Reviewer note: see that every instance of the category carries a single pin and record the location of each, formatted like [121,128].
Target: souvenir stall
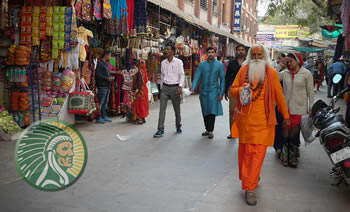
[37,74]
[48,62]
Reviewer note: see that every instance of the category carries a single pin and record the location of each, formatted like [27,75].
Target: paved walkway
[176,173]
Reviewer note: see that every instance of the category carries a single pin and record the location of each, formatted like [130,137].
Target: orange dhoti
[250,160]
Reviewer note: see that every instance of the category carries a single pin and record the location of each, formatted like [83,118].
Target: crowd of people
[266,101]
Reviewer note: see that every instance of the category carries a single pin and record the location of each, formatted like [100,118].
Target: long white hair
[267,57]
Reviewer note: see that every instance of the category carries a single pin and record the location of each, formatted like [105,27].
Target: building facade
[249,20]
[218,16]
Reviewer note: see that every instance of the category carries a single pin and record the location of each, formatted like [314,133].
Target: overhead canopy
[196,21]
[305,49]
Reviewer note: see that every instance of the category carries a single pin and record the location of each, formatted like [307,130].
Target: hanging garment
[97,10]
[128,78]
[83,35]
[97,113]
[140,16]
[78,9]
[119,15]
[339,49]
[130,4]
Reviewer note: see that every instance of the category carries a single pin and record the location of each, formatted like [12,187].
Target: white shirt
[172,72]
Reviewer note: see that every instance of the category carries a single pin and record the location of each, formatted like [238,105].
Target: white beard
[256,71]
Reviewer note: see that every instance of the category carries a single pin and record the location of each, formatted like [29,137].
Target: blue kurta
[212,78]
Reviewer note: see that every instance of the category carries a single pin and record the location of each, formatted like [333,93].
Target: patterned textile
[140,16]
[128,78]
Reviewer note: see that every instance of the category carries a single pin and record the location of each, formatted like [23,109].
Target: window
[223,13]
[204,4]
[215,7]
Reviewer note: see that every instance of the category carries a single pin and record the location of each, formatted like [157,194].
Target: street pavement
[175,173]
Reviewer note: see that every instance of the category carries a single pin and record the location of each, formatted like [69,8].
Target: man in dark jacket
[232,70]
[103,83]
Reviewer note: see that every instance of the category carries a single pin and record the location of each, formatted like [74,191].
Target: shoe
[229,137]
[293,161]
[139,121]
[210,136]
[106,119]
[206,133]
[284,159]
[178,130]
[329,96]
[100,121]
[159,133]
[250,198]
[278,153]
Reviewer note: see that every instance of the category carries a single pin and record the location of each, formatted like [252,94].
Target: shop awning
[305,49]
[197,22]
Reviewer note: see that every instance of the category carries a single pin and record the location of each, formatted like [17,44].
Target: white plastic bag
[307,129]
[186,92]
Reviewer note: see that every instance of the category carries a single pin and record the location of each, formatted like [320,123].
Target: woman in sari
[141,93]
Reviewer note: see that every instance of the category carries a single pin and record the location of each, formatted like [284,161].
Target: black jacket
[231,72]
[102,73]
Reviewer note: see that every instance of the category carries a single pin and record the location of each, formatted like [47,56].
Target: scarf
[293,73]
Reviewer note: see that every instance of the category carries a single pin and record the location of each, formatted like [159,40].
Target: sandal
[250,198]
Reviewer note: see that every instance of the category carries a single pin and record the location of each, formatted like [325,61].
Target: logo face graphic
[51,155]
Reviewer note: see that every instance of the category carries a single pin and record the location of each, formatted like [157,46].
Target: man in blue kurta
[211,74]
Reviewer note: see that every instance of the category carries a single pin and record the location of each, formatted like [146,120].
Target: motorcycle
[340,85]
[333,134]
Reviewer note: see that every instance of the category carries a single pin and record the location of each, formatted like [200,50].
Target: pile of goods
[18,55]
[7,123]
[19,101]
[67,80]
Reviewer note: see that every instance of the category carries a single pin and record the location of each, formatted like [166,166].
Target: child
[127,113]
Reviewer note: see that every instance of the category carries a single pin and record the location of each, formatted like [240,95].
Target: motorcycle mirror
[337,78]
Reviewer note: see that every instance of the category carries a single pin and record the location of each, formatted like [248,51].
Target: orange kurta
[252,124]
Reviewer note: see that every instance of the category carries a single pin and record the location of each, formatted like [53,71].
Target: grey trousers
[166,93]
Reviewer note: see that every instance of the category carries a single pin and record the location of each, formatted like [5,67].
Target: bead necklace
[258,88]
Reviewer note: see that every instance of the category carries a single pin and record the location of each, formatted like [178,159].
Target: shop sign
[287,31]
[265,37]
[304,32]
[271,44]
[237,16]
[50,155]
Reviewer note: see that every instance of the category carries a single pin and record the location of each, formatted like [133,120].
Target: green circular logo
[51,155]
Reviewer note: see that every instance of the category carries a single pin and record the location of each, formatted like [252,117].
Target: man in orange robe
[256,118]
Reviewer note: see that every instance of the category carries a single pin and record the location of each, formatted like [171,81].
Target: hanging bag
[97,10]
[80,101]
[86,10]
[78,9]
[107,9]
